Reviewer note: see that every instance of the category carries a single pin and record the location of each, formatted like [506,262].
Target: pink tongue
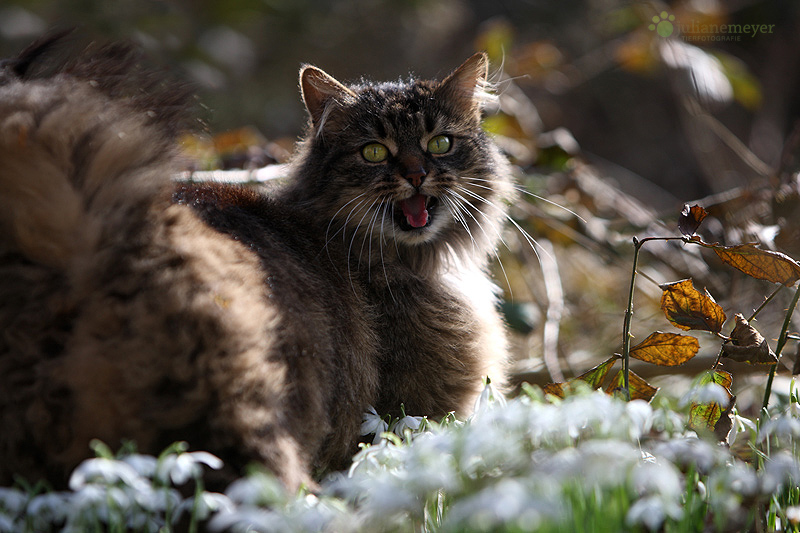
[414,210]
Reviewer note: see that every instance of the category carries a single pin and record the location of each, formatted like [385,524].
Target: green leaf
[707,416]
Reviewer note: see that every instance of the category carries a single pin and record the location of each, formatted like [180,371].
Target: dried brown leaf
[760,264]
[666,349]
[637,386]
[594,377]
[690,219]
[687,308]
[748,346]
[708,416]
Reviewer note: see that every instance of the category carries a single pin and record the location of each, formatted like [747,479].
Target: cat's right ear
[320,92]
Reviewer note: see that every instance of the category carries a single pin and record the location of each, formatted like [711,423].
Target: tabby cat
[258,327]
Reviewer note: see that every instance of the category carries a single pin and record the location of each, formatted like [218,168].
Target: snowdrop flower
[782,427]
[48,508]
[7,525]
[98,502]
[204,505]
[652,511]
[260,488]
[740,425]
[411,424]
[432,463]
[658,479]
[145,465]
[600,463]
[105,471]
[182,467]
[13,501]
[489,397]
[510,502]
[640,416]
[312,514]
[780,469]
[373,423]
[250,520]
[692,452]
[705,394]
[729,485]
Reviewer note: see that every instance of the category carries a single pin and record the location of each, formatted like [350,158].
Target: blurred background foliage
[600,113]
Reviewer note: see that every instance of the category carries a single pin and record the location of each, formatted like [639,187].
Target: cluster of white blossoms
[525,464]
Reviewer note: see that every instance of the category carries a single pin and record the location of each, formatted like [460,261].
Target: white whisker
[523,190]
[380,243]
[531,240]
[459,200]
[328,229]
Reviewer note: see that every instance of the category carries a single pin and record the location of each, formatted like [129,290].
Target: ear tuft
[466,86]
[319,90]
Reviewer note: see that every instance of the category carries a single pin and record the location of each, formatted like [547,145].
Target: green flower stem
[781,342]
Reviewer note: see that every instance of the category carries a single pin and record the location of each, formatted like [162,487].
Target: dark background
[588,66]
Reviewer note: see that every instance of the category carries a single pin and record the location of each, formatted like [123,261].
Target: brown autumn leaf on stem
[666,349]
[690,219]
[638,387]
[760,264]
[594,377]
[687,308]
[713,416]
[748,346]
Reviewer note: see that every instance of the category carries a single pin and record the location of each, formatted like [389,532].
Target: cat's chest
[418,318]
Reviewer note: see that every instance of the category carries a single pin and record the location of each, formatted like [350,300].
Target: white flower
[373,423]
[12,501]
[410,423]
[658,479]
[489,397]
[705,394]
[260,488]
[510,502]
[783,426]
[105,471]
[780,469]
[204,505]
[51,507]
[651,511]
[182,467]
[640,416]
[145,465]
[7,525]
[690,452]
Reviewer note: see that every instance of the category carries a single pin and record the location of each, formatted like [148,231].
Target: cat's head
[403,166]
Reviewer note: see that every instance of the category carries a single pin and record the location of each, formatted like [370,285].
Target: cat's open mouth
[415,212]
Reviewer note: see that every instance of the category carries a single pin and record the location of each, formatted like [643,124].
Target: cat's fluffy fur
[257,327]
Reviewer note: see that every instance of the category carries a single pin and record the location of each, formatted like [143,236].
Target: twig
[781,342]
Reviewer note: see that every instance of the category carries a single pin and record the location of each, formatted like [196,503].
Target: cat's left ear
[321,90]
[466,86]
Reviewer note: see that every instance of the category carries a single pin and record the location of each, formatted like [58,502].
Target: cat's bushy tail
[67,140]
[122,315]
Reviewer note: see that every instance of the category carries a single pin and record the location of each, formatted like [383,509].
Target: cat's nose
[415,175]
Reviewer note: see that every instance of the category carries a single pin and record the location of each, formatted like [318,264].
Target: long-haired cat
[258,327]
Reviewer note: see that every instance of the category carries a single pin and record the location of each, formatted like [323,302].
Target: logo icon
[662,24]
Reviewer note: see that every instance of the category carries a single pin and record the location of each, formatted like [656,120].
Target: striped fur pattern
[258,327]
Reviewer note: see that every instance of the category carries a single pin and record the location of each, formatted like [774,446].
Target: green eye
[375,152]
[439,144]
